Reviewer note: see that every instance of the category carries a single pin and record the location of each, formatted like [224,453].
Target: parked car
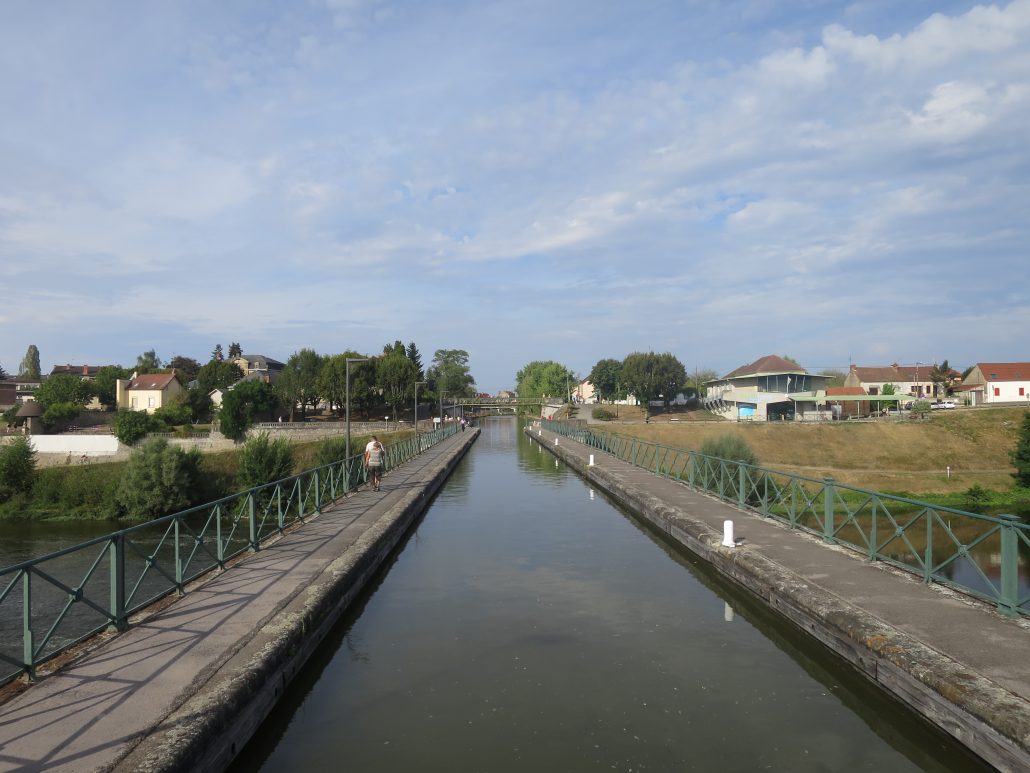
[943,404]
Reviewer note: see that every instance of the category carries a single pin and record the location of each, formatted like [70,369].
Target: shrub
[17,467]
[729,447]
[262,460]
[58,416]
[173,415]
[158,480]
[10,416]
[976,497]
[130,426]
[333,450]
[603,414]
[921,408]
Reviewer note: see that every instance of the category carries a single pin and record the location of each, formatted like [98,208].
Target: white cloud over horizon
[825,180]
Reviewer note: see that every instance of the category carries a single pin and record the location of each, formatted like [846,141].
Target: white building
[998,382]
[770,388]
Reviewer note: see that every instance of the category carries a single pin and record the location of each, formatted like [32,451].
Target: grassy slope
[888,456]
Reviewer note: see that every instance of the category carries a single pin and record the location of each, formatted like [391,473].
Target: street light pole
[347,396]
[442,393]
[416,404]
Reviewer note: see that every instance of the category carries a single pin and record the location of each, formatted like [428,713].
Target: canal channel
[528,623]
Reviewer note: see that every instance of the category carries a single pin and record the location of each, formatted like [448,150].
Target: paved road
[93,713]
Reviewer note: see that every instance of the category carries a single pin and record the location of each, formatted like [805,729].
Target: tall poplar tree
[30,364]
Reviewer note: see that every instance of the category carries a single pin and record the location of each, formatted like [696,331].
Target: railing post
[1008,603]
[219,548]
[657,464]
[741,475]
[252,520]
[828,510]
[722,479]
[691,464]
[928,553]
[27,644]
[872,533]
[116,556]
[318,495]
[765,493]
[793,503]
[178,560]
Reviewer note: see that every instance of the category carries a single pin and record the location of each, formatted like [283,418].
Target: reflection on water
[529,625]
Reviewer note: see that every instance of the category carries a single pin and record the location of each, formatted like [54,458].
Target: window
[1021,392]
[997,392]
[150,402]
[133,403]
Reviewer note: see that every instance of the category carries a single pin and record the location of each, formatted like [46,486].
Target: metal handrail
[934,541]
[60,606]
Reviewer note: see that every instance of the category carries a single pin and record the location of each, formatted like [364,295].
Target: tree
[836,377]
[148,362]
[396,375]
[17,467]
[543,378]
[186,367]
[397,347]
[648,376]
[158,480]
[297,383]
[416,359]
[3,373]
[64,388]
[331,384]
[941,376]
[264,461]
[130,426]
[29,368]
[791,359]
[59,416]
[701,377]
[218,374]
[450,372]
[242,404]
[216,354]
[105,384]
[921,408]
[605,376]
[235,350]
[1021,456]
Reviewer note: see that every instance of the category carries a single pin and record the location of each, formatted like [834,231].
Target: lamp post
[423,383]
[919,387]
[442,393]
[347,396]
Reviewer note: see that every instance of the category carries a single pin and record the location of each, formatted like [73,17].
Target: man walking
[374,453]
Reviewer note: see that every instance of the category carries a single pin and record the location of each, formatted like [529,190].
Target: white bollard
[727,535]
[539,432]
[727,613]
[591,495]
[555,462]
[591,460]
[556,441]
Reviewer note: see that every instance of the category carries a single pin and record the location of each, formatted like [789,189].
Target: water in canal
[529,624]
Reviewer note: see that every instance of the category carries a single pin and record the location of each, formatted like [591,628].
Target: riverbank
[87,491]
[923,644]
[907,457]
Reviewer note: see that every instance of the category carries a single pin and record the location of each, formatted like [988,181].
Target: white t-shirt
[374,453]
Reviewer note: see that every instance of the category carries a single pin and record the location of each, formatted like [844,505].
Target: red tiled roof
[771,363]
[1005,371]
[830,391]
[887,374]
[152,381]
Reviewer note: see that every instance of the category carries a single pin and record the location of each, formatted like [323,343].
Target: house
[998,382]
[85,372]
[585,392]
[148,392]
[8,395]
[505,394]
[769,389]
[848,401]
[913,380]
[218,393]
[261,366]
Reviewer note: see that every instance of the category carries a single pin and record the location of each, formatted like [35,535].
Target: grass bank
[895,456]
[88,491]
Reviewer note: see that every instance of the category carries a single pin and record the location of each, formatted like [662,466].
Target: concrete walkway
[933,648]
[185,688]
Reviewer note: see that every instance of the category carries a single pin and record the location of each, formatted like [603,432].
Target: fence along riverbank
[955,661]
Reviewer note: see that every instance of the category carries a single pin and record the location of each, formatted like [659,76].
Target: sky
[526,180]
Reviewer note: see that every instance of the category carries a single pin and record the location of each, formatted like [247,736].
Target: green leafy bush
[1021,456]
[173,415]
[976,497]
[17,467]
[130,426]
[729,447]
[59,416]
[333,450]
[158,480]
[9,416]
[262,460]
[602,414]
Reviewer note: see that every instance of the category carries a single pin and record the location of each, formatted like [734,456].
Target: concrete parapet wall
[987,718]
[212,726]
[76,445]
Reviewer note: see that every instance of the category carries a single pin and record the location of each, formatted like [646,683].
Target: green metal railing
[70,595]
[981,555]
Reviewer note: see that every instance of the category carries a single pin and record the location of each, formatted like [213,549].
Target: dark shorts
[375,468]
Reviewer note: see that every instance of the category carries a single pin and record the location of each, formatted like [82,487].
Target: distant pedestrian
[374,453]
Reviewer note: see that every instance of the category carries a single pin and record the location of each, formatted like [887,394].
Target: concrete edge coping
[1000,718]
[211,726]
